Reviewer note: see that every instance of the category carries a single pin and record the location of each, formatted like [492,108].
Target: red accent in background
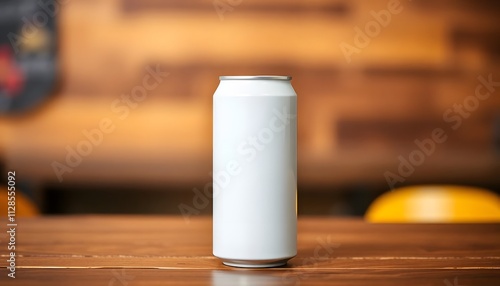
[11,76]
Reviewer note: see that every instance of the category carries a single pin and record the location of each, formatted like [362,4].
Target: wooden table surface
[166,250]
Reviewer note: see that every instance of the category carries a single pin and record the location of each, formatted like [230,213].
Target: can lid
[255,77]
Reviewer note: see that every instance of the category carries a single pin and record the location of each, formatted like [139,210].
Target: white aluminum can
[255,171]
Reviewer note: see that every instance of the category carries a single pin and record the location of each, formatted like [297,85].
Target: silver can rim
[255,77]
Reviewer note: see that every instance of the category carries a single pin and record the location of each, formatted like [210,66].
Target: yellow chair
[24,206]
[435,204]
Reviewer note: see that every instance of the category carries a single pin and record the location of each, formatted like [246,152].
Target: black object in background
[27,53]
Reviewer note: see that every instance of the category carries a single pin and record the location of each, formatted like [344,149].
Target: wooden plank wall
[355,118]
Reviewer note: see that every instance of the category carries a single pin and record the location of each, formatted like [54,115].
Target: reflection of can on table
[255,171]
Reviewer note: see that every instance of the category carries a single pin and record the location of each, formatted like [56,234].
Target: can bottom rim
[255,263]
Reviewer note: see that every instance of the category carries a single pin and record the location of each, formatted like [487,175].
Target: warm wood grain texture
[153,250]
[355,118]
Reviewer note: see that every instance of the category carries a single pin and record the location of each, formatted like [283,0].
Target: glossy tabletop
[169,250]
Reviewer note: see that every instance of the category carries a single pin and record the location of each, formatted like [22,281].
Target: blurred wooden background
[355,118]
